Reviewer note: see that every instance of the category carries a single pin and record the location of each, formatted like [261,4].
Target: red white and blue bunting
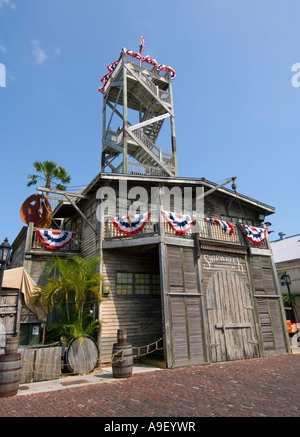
[256,235]
[112,66]
[131,224]
[178,222]
[226,226]
[54,240]
[181,224]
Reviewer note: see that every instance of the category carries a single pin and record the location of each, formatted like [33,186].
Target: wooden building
[18,316]
[202,283]
[286,255]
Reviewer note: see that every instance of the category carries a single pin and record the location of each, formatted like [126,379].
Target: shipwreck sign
[223,262]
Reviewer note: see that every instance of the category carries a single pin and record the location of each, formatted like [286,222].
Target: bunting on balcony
[256,235]
[132,223]
[226,226]
[55,240]
[178,222]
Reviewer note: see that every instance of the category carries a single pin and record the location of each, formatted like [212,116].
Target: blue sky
[236,111]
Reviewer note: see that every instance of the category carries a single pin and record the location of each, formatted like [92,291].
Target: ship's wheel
[37,210]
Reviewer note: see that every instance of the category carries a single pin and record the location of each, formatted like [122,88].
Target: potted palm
[73,287]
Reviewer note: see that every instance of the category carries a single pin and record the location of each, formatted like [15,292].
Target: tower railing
[135,168]
[139,134]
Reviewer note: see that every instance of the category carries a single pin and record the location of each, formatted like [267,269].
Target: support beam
[147,122]
[216,188]
[67,196]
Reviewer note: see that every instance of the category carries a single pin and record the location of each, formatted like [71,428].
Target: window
[124,283]
[138,284]
[142,283]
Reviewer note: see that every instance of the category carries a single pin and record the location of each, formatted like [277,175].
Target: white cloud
[8,3]
[57,51]
[39,54]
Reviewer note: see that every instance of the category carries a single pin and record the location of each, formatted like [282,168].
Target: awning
[19,279]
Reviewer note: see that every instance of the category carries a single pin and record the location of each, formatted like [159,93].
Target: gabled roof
[286,249]
[90,190]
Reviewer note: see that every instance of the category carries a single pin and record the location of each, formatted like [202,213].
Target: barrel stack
[10,368]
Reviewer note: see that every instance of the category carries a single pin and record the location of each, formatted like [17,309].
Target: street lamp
[4,256]
[286,280]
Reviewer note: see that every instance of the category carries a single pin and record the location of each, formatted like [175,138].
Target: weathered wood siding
[10,308]
[90,239]
[218,205]
[18,247]
[14,312]
[184,314]
[36,269]
[40,364]
[140,316]
[269,306]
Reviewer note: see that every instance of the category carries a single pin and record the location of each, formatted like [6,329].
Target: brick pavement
[262,387]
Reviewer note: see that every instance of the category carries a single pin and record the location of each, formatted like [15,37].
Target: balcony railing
[207,231]
[136,168]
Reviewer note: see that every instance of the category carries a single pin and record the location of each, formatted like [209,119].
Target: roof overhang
[66,209]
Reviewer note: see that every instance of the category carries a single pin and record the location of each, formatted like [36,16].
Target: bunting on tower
[112,66]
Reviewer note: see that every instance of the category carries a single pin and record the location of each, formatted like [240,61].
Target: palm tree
[72,285]
[49,172]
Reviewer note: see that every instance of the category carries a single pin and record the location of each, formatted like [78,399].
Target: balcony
[35,246]
[208,231]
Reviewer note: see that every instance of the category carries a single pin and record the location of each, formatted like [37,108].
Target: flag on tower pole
[142,45]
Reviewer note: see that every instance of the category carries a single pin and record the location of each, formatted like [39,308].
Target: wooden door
[184,320]
[9,311]
[231,325]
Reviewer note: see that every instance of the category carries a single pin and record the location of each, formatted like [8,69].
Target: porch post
[165,304]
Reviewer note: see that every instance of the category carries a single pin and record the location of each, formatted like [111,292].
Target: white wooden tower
[137,115]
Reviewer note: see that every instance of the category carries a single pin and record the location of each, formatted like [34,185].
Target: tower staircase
[137,91]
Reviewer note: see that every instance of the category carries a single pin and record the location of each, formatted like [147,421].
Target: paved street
[263,387]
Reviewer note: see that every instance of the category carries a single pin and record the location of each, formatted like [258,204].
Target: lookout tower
[137,109]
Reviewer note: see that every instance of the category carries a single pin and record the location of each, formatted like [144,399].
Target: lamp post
[286,280]
[4,256]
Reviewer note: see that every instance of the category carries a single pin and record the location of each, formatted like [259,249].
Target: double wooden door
[231,327]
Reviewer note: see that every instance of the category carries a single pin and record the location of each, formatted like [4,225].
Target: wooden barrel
[11,345]
[122,360]
[122,336]
[82,355]
[10,374]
